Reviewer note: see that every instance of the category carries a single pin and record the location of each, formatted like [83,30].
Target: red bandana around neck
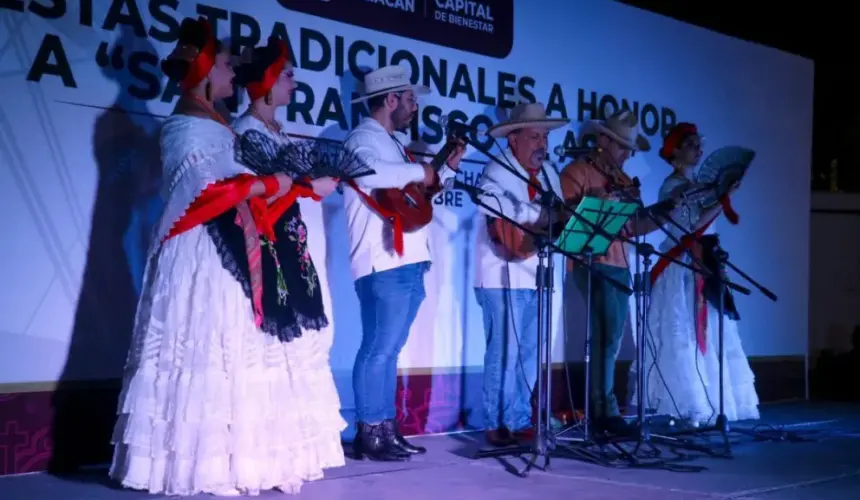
[533,181]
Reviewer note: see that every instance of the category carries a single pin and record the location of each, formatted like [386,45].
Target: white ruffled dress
[682,381]
[210,404]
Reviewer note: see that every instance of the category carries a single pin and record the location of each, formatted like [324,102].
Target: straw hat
[389,79]
[622,127]
[524,115]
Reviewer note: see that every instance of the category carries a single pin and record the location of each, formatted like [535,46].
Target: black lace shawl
[292,299]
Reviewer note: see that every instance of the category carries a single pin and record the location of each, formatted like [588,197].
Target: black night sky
[818,31]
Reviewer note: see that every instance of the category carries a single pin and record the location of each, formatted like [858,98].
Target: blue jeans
[510,362]
[609,307]
[389,303]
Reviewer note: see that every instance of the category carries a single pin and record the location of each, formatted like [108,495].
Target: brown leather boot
[500,437]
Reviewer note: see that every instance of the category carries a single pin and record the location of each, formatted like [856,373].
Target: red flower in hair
[205,60]
[260,88]
[673,139]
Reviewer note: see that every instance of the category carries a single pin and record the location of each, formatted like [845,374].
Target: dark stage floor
[826,468]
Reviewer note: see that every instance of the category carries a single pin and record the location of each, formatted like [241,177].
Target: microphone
[474,192]
[564,152]
[458,127]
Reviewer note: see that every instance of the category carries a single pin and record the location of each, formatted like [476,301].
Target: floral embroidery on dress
[298,233]
[283,292]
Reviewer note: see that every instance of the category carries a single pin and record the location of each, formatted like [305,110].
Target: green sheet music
[579,236]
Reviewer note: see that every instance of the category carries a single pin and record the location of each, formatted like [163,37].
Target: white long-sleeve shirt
[508,194]
[370,236]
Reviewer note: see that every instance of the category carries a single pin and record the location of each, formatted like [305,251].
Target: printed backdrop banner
[83,97]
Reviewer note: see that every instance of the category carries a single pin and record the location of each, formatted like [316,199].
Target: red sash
[701,307]
[274,211]
[392,217]
[221,196]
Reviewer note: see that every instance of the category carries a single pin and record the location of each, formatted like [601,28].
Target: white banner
[83,97]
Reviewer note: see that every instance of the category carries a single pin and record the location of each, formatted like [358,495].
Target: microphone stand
[542,435]
[642,290]
[544,443]
[642,282]
[721,424]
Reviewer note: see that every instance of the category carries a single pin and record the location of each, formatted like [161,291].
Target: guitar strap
[407,156]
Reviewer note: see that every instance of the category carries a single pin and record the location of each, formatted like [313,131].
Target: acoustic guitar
[414,202]
[513,244]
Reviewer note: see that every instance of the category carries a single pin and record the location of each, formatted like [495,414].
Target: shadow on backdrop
[453,398]
[345,315]
[127,205]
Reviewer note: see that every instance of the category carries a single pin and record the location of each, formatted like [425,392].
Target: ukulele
[513,244]
[413,203]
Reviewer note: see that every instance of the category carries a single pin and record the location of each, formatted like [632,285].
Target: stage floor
[826,468]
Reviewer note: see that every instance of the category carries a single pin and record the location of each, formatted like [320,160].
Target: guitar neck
[441,157]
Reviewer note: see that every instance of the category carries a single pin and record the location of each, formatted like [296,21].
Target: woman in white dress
[267,74]
[682,340]
[209,401]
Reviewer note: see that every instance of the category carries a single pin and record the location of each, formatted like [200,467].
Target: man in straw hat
[600,174]
[506,288]
[389,278]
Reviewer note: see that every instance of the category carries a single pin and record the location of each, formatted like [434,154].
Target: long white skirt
[211,404]
[684,382]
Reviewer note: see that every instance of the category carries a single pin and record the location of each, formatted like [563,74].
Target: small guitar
[413,202]
[513,244]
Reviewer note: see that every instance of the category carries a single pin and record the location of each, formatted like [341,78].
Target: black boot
[391,426]
[377,443]
[615,426]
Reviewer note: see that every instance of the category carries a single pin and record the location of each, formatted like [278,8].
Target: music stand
[590,233]
[580,238]
[543,443]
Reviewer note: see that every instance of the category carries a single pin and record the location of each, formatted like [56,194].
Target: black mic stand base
[646,452]
[545,444]
[644,455]
[587,448]
[721,427]
[577,449]
[721,424]
[675,442]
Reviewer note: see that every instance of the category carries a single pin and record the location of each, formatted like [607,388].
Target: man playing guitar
[388,265]
[505,278]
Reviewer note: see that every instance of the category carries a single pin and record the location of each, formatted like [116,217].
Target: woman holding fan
[209,403]
[682,336]
[267,75]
